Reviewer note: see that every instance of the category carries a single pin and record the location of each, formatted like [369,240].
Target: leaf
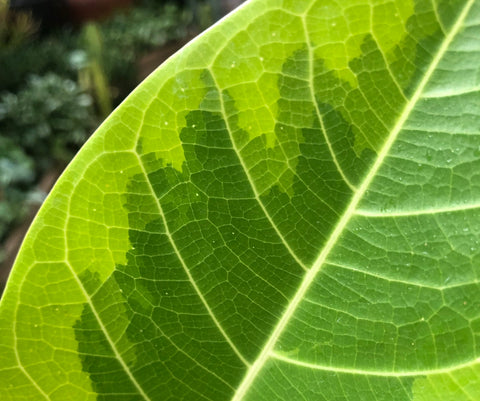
[288,209]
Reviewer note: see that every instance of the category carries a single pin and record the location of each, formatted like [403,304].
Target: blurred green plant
[130,34]
[47,117]
[143,28]
[37,56]
[17,174]
[92,76]
[15,27]
[41,125]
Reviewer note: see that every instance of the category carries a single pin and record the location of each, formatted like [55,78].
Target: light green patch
[46,334]
[337,30]
[258,113]
[164,116]
[246,70]
[457,385]
[100,197]
[389,23]
[297,6]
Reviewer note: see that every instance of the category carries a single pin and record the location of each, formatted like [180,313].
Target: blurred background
[64,66]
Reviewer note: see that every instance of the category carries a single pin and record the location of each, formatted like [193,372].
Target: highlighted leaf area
[291,215]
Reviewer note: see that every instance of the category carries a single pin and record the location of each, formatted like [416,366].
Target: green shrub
[50,54]
[127,35]
[43,124]
[49,117]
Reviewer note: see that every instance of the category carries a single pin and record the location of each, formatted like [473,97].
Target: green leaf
[288,209]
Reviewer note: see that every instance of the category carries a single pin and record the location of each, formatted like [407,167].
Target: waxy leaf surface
[288,209]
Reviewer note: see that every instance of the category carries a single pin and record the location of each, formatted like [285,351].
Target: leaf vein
[317,110]
[354,371]
[184,265]
[251,182]
[97,316]
[423,212]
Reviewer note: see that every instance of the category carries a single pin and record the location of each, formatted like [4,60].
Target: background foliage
[56,87]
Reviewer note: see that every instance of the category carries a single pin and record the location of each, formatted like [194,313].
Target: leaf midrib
[349,211]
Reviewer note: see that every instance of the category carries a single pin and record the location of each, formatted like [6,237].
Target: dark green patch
[222,236]
[96,354]
[307,215]
[233,254]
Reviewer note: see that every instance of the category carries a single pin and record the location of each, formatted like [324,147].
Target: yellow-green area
[164,115]
[337,30]
[455,385]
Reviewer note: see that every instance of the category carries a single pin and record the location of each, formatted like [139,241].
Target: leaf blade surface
[289,216]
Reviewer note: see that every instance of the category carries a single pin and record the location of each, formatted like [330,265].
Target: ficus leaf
[288,209]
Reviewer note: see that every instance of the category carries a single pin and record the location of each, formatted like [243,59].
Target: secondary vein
[317,110]
[250,180]
[185,267]
[421,212]
[354,371]
[89,301]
